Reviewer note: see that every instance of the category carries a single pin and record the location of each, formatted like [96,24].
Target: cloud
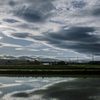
[35,10]
[21,35]
[77,39]
[26,49]
[92,11]
[96,12]
[7,57]
[78,4]
[1,37]
[71,25]
[51,49]
[44,58]
[30,57]
[60,53]
[75,34]
[9,45]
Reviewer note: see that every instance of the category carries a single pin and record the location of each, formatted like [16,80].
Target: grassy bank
[50,69]
[48,66]
[50,75]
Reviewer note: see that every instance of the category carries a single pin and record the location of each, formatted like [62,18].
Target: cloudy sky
[52,28]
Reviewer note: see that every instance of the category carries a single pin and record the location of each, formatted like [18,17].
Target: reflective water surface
[31,88]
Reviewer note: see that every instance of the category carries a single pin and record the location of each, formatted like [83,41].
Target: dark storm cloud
[96,12]
[11,3]
[77,39]
[21,35]
[82,48]
[84,89]
[32,17]
[78,34]
[36,11]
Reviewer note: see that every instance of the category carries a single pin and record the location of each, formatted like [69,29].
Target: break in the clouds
[10,20]
[67,25]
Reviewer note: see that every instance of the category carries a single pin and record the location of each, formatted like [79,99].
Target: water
[31,88]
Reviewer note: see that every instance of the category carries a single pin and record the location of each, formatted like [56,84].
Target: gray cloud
[9,45]
[27,26]
[46,17]
[11,3]
[78,4]
[21,35]
[1,45]
[96,12]
[77,39]
[36,11]
[28,57]
[75,34]
[93,12]
[32,17]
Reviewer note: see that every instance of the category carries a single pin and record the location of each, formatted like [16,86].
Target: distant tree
[36,62]
[28,62]
[61,63]
[54,63]
[9,62]
[22,63]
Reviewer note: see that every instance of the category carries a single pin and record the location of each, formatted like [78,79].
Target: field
[50,69]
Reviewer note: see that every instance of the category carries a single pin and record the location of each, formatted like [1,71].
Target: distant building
[45,63]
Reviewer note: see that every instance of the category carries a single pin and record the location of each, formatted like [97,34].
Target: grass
[49,69]
[50,66]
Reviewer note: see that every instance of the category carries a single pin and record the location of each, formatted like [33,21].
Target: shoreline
[49,75]
[53,72]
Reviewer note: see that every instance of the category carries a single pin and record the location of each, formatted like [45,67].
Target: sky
[50,29]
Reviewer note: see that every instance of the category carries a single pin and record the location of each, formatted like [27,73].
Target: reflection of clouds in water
[51,80]
[20,81]
[10,88]
[56,80]
[78,89]
[1,84]
[0,92]
[8,85]
[35,83]
[94,97]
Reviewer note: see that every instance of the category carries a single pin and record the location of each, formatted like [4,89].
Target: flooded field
[54,88]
